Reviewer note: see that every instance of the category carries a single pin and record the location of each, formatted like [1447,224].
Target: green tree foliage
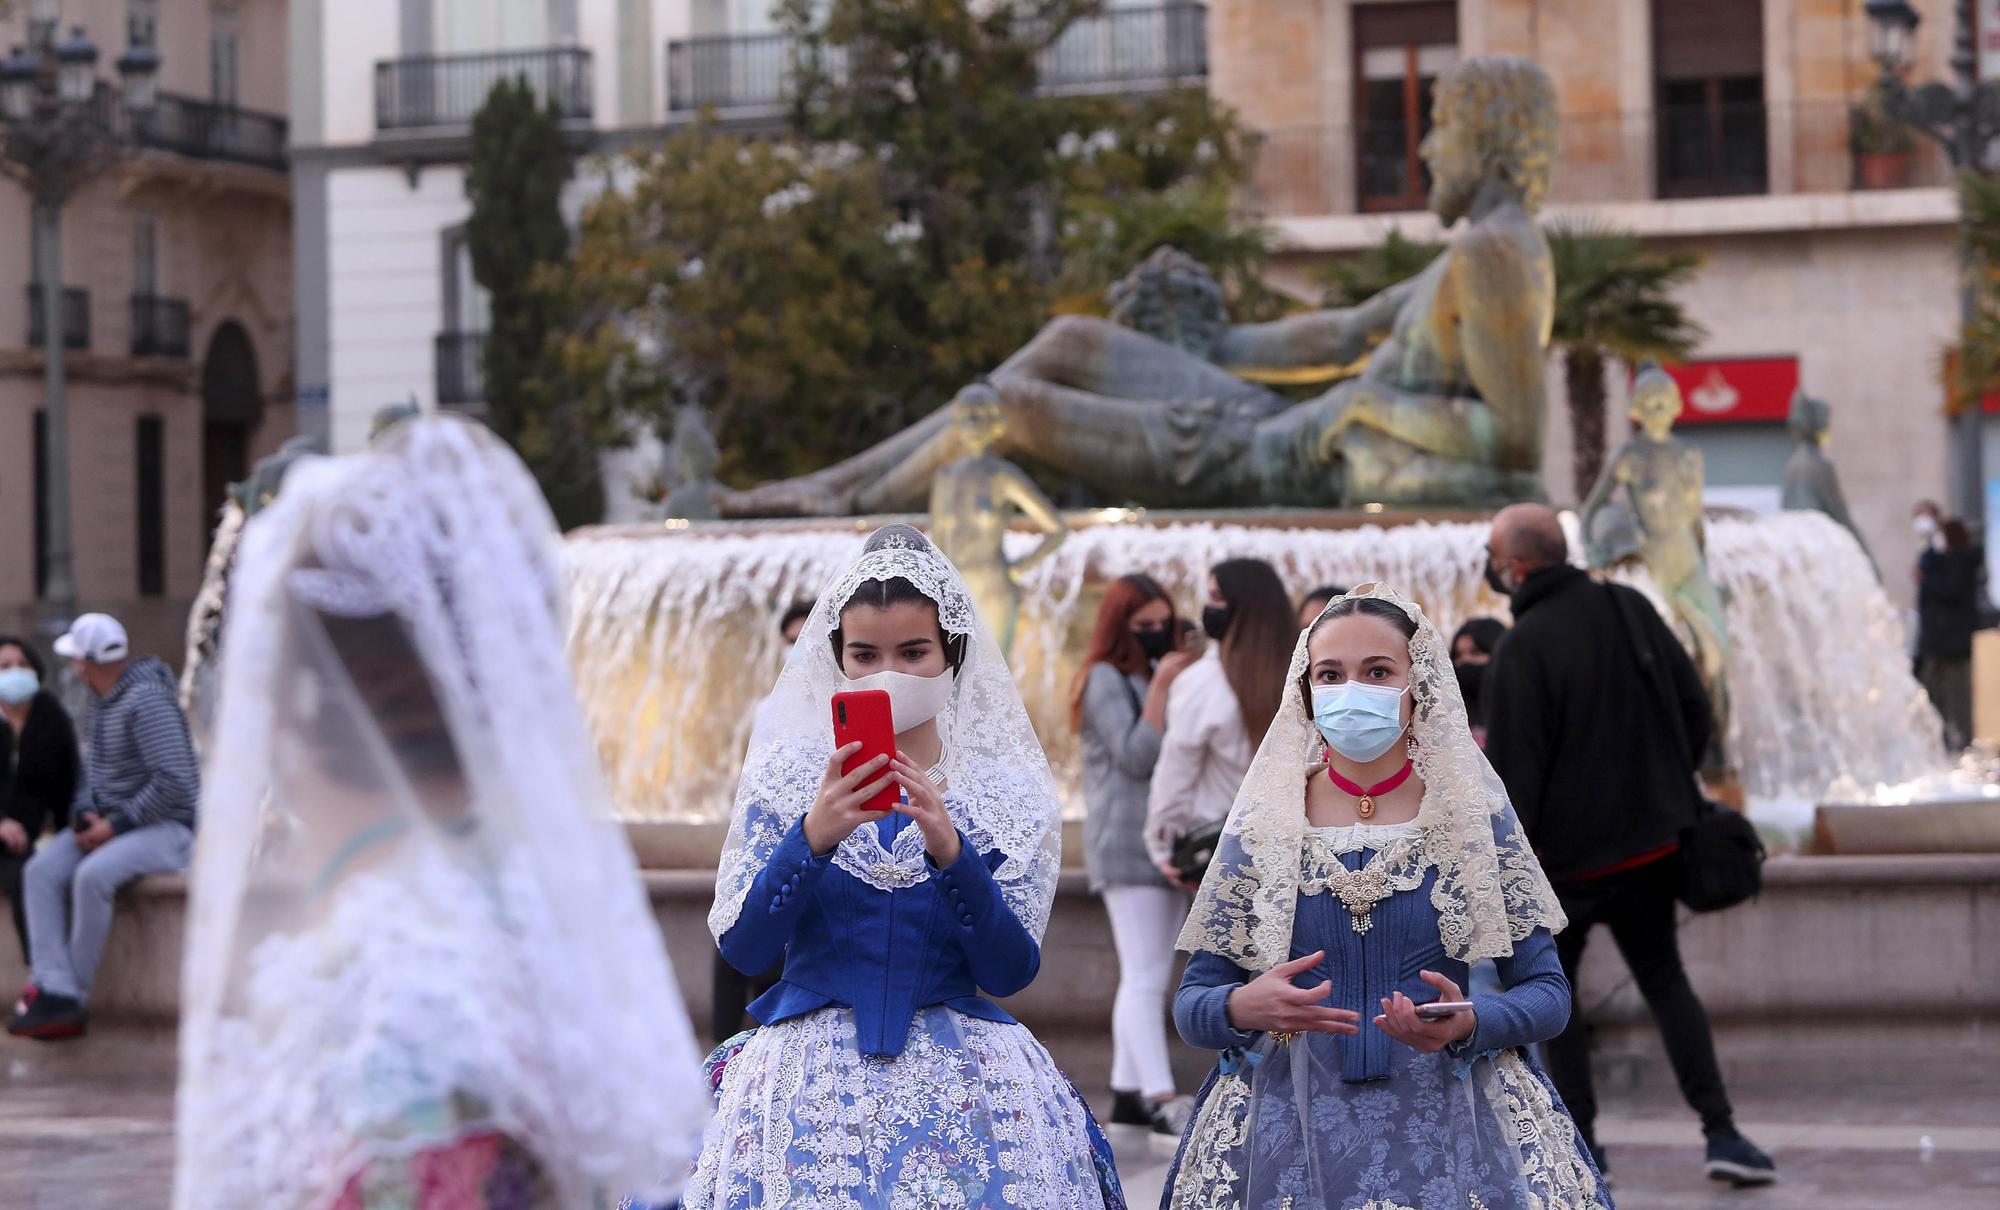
[514,178]
[923,213]
[1970,369]
[1353,280]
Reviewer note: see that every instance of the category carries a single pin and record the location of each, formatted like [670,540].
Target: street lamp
[57,137]
[1964,118]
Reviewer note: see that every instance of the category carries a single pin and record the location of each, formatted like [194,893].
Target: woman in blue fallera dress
[1370,858]
[880,1075]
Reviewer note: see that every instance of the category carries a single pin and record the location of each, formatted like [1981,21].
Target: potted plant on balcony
[1882,145]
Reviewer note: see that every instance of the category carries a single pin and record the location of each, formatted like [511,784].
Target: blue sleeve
[173,776]
[771,910]
[1004,957]
[1533,1008]
[1201,1006]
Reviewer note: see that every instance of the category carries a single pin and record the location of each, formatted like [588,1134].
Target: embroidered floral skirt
[972,1114]
[1278,1129]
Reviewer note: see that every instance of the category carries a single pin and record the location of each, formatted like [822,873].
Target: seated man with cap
[133,815]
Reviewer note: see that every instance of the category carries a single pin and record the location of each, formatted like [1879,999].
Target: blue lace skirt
[972,1114]
[1276,1128]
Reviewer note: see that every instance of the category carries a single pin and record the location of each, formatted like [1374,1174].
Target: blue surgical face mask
[1359,721]
[17,685]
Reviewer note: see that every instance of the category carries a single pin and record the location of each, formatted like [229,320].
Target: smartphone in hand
[864,715]
[1438,1010]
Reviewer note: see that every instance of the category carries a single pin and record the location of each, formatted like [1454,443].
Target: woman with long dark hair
[1119,708]
[1220,708]
[38,768]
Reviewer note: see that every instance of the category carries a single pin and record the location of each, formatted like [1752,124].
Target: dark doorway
[231,411]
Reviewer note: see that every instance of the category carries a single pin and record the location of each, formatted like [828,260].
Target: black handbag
[1722,858]
[1194,850]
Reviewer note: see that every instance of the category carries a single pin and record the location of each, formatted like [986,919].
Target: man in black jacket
[1597,720]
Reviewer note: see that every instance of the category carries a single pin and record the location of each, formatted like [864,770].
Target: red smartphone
[864,715]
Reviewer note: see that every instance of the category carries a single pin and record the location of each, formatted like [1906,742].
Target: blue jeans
[69,894]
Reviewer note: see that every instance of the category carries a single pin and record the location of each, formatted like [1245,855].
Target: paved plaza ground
[88,1126]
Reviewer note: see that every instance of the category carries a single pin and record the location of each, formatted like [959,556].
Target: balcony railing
[75,317]
[446,90]
[159,326]
[461,368]
[208,131]
[1606,157]
[1123,49]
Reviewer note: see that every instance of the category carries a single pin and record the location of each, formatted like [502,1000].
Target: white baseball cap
[96,637]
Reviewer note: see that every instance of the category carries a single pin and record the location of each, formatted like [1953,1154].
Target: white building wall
[385,289]
[357,34]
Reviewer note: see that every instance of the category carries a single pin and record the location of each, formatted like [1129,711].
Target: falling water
[674,636]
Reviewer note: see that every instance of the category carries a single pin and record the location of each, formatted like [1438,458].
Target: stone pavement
[88,1126]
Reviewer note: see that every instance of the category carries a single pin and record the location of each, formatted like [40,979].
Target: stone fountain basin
[1966,825]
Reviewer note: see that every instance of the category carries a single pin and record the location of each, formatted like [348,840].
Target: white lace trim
[1342,839]
[1490,891]
[1002,797]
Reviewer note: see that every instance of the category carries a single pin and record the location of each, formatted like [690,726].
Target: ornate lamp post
[1964,118]
[61,127]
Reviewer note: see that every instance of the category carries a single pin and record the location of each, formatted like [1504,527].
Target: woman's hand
[1270,1004]
[13,836]
[926,808]
[1174,879]
[1400,1021]
[838,809]
[1165,673]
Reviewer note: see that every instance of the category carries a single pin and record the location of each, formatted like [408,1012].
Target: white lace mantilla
[1490,891]
[1001,795]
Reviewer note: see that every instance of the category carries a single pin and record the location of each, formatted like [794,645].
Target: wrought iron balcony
[446,90]
[1123,49]
[207,131]
[159,326]
[461,368]
[75,317]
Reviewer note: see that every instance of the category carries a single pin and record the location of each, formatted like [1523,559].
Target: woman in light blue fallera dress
[1369,860]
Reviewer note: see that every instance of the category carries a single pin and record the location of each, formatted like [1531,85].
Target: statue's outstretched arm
[832,492]
[1333,340]
[1020,491]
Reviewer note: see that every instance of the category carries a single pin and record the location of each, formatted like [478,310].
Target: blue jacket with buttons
[883,954]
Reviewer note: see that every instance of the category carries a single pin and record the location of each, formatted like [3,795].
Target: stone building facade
[177,266]
[1723,127]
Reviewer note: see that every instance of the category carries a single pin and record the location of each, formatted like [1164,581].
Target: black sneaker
[1130,1109]
[50,1018]
[1735,1159]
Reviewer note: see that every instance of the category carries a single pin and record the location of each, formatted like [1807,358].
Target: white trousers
[1145,921]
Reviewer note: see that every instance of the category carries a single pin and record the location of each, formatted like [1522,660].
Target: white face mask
[913,700]
[1925,525]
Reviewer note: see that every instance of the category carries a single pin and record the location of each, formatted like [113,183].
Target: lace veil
[1490,890]
[999,790]
[412,915]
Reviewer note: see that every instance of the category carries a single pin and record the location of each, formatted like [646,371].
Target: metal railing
[75,317]
[1669,152]
[461,368]
[446,90]
[1120,49]
[159,326]
[205,130]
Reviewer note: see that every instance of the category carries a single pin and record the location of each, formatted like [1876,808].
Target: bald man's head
[1525,539]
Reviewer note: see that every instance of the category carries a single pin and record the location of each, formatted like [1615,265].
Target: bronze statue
[971,498]
[1447,404]
[1662,481]
[1810,483]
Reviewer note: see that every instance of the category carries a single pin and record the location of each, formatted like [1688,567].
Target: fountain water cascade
[674,637]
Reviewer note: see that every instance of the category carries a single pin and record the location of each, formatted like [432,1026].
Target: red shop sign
[1730,390]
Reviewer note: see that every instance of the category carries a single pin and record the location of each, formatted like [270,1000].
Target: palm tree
[1353,280]
[1614,298]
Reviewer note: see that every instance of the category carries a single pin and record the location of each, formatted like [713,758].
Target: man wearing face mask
[1602,776]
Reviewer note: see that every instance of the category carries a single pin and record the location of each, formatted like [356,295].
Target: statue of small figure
[971,499]
[691,460]
[1444,400]
[1810,482]
[1662,479]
